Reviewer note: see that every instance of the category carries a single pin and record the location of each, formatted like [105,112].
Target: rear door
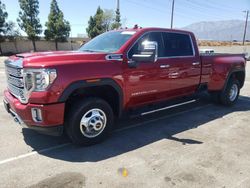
[180,67]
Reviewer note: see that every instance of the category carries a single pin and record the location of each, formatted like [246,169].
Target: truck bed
[222,63]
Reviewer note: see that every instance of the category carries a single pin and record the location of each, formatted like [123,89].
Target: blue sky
[146,13]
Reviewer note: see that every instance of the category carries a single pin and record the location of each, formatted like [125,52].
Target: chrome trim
[116,57]
[195,63]
[15,81]
[164,66]
[36,114]
[14,71]
[16,91]
[15,64]
[17,118]
[192,43]
[156,48]
[168,107]
[93,123]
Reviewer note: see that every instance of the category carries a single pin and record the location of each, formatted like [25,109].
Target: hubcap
[233,92]
[93,123]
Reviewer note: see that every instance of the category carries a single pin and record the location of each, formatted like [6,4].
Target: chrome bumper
[15,116]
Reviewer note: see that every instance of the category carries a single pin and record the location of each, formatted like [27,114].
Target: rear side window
[177,44]
[152,36]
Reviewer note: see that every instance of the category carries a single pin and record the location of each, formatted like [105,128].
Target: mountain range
[227,30]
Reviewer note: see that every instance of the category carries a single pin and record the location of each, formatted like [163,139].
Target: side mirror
[149,52]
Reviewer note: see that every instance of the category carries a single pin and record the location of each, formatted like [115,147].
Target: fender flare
[232,71]
[81,84]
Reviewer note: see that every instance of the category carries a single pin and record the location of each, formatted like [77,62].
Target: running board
[168,107]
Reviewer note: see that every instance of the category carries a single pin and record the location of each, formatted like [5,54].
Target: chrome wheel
[233,92]
[93,123]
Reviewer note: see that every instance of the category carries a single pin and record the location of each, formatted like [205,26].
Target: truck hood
[46,59]
[42,54]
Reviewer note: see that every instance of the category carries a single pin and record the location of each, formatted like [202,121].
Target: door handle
[164,66]
[195,63]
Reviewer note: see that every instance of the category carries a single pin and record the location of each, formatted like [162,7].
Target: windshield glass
[108,42]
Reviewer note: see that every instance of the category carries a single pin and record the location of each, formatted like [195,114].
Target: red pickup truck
[82,92]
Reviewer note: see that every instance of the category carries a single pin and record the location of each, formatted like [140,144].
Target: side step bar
[168,107]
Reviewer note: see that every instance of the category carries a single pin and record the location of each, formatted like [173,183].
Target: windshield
[108,42]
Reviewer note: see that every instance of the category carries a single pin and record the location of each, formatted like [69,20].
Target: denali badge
[143,92]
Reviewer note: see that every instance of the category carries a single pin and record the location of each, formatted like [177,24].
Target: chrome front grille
[16,91]
[15,81]
[14,73]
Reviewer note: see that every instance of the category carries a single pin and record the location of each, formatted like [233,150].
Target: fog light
[36,114]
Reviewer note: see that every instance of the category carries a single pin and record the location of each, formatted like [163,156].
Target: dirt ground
[197,145]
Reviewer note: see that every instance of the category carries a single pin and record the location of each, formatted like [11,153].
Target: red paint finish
[215,69]
[53,114]
[145,84]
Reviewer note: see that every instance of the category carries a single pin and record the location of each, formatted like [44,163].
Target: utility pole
[117,4]
[245,30]
[172,15]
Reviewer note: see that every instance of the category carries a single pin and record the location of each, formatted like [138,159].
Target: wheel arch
[238,74]
[107,89]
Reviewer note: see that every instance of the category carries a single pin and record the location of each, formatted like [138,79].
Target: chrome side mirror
[149,52]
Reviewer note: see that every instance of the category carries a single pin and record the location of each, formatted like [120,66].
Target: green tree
[117,24]
[28,19]
[108,19]
[58,29]
[95,24]
[13,34]
[3,23]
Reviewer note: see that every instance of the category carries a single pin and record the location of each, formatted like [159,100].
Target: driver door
[143,83]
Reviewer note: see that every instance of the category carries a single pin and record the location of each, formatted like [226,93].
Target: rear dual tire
[229,95]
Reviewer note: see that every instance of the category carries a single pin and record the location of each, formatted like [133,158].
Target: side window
[177,44]
[153,36]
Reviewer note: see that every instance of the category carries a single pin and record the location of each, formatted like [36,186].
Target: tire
[89,121]
[230,95]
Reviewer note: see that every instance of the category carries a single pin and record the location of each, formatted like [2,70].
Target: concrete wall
[26,46]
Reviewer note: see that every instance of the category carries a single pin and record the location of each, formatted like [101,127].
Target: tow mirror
[148,54]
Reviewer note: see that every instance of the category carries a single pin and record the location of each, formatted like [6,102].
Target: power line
[203,9]
[221,6]
[200,8]
[211,6]
[149,7]
[160,9]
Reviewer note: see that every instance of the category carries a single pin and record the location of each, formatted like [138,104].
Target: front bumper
[52,115]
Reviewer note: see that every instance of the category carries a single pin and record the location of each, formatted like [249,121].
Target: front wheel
[89,121]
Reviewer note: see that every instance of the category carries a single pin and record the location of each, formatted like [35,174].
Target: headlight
[38,79]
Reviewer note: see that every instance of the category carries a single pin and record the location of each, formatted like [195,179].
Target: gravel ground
[198,145]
